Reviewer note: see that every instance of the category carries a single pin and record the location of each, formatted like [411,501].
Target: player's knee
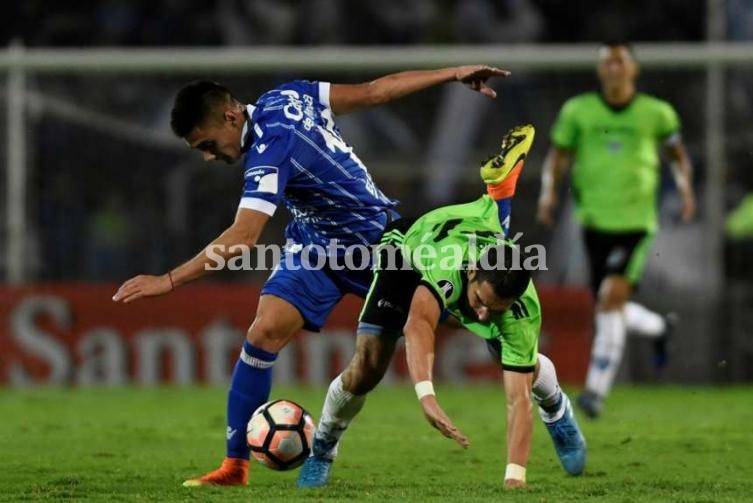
[365,384]
[268,336]
[365,370]
[614,293]
[360,380]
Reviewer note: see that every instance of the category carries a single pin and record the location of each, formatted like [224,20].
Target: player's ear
[471,274]
[234,113]
[231,116]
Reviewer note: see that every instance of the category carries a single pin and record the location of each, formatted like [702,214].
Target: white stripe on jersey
[324,94]
[371,222]
[308,173]
[253,203]
[345,192]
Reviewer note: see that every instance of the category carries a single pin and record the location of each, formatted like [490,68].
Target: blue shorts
[314,292]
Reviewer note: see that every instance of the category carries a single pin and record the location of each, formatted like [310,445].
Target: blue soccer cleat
[661,343]
[568,440]
[317,467]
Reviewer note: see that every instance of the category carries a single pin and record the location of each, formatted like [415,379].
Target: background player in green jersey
[613,138]
[450,260]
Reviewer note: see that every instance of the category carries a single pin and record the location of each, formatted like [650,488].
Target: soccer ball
[280,434]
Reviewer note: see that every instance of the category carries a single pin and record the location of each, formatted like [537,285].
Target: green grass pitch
[653,444]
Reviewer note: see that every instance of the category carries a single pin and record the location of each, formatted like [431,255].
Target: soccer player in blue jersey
[293,155]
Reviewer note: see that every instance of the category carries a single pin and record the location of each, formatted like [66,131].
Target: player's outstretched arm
[555,165]
[345,98]
[682,170]
[419,349]
[519,425]
[244,231]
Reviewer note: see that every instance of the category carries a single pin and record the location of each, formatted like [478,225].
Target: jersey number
[294,111]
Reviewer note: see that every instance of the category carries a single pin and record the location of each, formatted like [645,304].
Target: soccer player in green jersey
[454,260]
[613,138]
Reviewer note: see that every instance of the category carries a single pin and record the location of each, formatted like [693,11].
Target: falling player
[480,287]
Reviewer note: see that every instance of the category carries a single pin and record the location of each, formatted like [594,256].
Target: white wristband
[515,472]
[424,388]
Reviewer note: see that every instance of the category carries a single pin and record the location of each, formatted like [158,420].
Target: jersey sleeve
[668,122]
[565,130]
[265,175]
[317,89]
[519,333]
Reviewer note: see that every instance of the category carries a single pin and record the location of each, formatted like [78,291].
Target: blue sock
[249,388]
[504,207]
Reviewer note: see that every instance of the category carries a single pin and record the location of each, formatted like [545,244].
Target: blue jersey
[294,155]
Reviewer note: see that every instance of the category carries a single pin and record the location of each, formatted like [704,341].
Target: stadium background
[95,189]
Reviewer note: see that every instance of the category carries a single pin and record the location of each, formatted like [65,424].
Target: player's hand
[545,211]
[514,483]
[438,419]
[143,286]
[475,77]
[688,206]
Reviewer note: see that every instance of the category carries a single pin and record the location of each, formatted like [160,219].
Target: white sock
[340,407]
[547,392]
[606,354]
[642,321]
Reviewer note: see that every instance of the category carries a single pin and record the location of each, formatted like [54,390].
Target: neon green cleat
[513,151]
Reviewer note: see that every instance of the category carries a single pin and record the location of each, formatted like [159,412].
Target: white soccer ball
[280,434]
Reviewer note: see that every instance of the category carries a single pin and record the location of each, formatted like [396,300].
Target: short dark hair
[194,103]
[613,43]
[502,267]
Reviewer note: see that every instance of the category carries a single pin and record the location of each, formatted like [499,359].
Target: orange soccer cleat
[232,472]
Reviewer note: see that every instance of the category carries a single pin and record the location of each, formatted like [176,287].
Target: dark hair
[194,103]
[614,43]
[502,267]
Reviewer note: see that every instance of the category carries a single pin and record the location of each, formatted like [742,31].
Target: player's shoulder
[298,85]
[653,102]
[285,91]
[582,100]
[523,314]
[580,103]
[529,302]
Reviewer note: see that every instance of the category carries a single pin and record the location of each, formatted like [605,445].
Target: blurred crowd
[306,22]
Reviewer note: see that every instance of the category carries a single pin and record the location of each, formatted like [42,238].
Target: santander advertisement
[74,335]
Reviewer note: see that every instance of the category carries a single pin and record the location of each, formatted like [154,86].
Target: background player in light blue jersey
[293,155]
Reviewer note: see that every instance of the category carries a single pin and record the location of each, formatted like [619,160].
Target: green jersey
[441,244]
[616,169]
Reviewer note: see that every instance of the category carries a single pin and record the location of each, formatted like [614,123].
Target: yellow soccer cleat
[511,157]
